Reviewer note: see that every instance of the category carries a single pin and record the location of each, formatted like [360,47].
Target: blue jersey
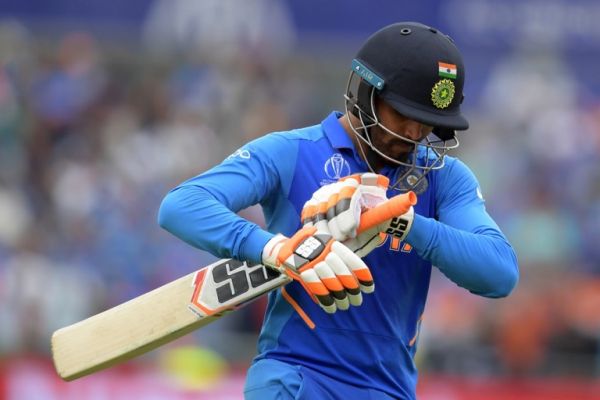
[372,345]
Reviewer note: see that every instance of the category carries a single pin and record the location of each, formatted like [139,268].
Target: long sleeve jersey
[372,345]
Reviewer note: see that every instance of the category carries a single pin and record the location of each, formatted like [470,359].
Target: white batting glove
[336,208]
[329,271]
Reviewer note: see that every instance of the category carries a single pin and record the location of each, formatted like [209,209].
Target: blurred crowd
[94,134]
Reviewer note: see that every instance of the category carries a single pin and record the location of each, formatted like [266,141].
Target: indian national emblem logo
[336,167]
[442,93]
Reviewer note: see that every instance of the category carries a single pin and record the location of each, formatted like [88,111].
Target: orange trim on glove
[382,181]
[308,213]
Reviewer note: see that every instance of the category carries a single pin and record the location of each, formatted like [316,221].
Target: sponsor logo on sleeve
[240,153]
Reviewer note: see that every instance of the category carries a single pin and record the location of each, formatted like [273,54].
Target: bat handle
[387,210]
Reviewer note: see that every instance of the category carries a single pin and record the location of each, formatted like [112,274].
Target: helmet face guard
[360,99]
[419,72]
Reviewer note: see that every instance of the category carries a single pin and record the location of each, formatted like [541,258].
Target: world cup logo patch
[336,167]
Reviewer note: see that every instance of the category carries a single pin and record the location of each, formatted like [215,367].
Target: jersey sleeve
[463,241]
[202,211]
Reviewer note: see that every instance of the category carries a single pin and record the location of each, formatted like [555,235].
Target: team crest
[417,182]
[442,93]
[413,180]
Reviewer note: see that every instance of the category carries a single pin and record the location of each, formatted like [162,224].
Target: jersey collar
[335,132]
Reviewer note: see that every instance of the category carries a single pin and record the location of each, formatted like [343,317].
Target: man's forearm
[192,214]
[483,263]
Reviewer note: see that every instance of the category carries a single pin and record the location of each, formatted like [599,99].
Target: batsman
[347,327]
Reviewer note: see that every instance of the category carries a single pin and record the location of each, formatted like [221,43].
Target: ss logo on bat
[229,283]
[237,278]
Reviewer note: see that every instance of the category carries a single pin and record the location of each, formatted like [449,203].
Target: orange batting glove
[336,208]
[329,271]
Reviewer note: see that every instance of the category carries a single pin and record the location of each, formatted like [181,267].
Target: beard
[392,147]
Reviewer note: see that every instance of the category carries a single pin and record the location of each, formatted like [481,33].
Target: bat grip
[387,210]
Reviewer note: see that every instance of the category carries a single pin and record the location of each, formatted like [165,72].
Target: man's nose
[413,130]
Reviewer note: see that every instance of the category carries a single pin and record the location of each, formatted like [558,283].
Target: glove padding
[329,271]
[336,208]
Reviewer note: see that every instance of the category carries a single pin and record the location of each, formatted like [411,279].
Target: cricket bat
[177,308]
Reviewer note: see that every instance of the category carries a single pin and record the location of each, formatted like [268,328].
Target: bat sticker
[221,287]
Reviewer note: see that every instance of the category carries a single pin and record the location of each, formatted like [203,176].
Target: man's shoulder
[455,176]
[282,142]
[311,133]
[454,165]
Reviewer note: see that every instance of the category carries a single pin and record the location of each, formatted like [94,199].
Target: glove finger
[355,177]
[372,179]
[356,265]
[333,228]
[320,219]
[346,278]
[309,213]
[366,242]
[347,209]
[320,198]
[317,288]
[332,283]
[348,212]
[332,225]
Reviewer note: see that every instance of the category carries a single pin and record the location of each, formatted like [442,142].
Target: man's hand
[329,271]
[337,208]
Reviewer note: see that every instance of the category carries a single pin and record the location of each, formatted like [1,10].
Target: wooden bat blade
[158,317]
